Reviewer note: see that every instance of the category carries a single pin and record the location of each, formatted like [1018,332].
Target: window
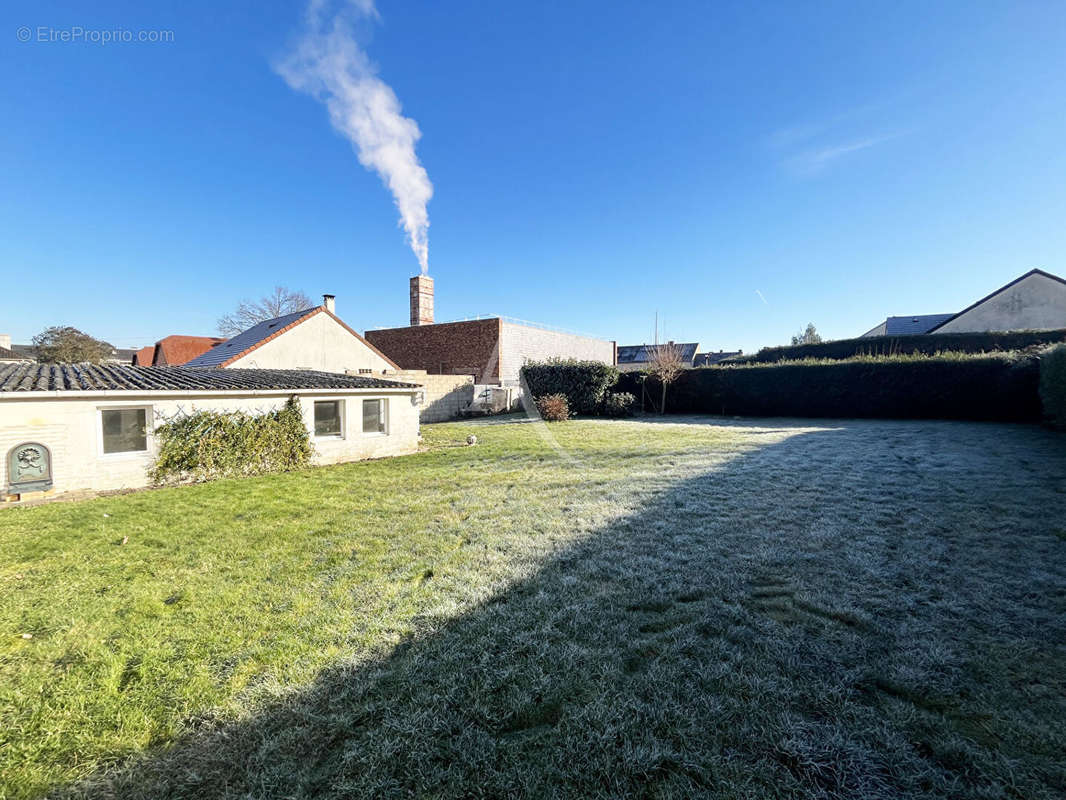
[328,418]
[374,413]
[125,430]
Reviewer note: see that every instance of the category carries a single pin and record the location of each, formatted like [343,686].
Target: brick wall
[448,348]
[522,343]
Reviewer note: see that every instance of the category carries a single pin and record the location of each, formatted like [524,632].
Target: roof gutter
[84,394]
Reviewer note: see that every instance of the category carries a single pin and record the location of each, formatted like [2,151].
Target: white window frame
[384,412]
[149,431]
[342,410]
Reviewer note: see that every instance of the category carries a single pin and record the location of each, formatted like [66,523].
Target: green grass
[593,608]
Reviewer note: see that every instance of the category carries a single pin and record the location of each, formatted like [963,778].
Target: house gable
[316,341]
[1033,301]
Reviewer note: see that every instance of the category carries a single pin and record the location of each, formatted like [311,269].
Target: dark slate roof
[706,359]
[114,377]
[914,325]
[246,340]
[640,353]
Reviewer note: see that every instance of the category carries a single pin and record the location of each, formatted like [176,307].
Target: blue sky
[592,163]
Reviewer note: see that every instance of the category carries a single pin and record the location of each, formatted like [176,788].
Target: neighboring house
[173,351]
[632,357]
[907,326]
[1033,301]
[8,355]
[144,356]
[312,339]
[97,422]
[492,349]
[709,359]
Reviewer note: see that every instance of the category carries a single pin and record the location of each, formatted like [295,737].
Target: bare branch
[279,302]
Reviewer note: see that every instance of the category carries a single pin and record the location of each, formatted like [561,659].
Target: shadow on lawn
[758,631]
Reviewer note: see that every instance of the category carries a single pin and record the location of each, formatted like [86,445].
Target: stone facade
[70,425]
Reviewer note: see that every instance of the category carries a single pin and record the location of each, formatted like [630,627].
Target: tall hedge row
[994,387]
[1053,386]
[585,383]
[907,345]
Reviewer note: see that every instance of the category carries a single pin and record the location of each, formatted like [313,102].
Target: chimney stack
[329,302]
[421,300]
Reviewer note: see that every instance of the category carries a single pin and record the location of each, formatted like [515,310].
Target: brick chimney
[329,302]
[421,300]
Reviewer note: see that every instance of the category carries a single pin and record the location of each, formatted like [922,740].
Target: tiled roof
[246,340]
[173,351]
[640,353]
[912,326]
[108,377]
[143,357]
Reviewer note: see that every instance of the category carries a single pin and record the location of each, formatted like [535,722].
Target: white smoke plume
[327,63]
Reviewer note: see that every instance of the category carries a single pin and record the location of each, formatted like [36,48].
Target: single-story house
[175,350]
[709,359]
[1031,302]
[632,357]
[90,427]
[312,339]
[492,348]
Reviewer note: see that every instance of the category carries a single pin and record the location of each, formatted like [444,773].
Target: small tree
[279,302]
[808,336]
[665,362]
[67,345]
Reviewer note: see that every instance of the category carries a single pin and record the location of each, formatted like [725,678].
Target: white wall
[1034,303]
[70,427]
[522,343]
[318,343]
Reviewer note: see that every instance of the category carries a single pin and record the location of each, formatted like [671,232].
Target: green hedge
[991,387]
[907,345]
[212,444]
[585,383]
[1053,385]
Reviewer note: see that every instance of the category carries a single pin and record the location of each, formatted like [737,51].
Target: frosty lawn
[753,609]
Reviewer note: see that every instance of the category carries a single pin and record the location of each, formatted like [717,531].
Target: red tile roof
[173,351]
[143,357]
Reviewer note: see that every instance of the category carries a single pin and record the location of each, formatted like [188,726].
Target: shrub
[585,383]
[1000,386]
[553,408]
[620,404]
[1053,385]
[928,344]
[212,444]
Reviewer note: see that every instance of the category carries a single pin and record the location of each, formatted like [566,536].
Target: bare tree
[279,302]
[665,362]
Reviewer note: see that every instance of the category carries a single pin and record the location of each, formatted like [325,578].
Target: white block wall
[70,427]
[522,343]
